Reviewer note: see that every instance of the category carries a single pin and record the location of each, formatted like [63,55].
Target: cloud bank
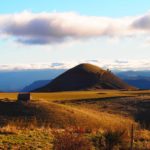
[50,28]
[120,65]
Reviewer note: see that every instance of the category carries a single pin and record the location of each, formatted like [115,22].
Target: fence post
[132,136]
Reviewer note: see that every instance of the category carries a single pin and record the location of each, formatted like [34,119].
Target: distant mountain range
[11,81]
[35,85]
[142,83]
[132,74]
[85,77]
[140,79]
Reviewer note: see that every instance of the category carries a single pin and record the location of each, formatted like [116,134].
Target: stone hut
[24,97]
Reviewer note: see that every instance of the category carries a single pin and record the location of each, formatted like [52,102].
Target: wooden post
[132,136]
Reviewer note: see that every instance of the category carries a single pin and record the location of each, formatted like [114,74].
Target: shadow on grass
[21,113]
[91,100]
[6,133]
[143,114]
[15,109]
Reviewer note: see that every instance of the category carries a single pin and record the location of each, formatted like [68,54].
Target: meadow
[33,125]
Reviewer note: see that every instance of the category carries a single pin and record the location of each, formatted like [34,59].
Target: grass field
[77,95]
[28,126]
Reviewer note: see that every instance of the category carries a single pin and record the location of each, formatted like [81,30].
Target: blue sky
[21,42]
[113,8]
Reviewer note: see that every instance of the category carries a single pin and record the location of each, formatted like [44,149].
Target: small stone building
[24,97]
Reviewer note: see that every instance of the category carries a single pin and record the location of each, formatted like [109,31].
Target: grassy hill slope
[30,125]
[85,77]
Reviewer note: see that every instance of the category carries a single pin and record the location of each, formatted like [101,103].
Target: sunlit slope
[62,109]
[57,115]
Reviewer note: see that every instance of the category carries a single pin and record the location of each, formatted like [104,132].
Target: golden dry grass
[75,94]
[57,110]
[65,115]
[14,138]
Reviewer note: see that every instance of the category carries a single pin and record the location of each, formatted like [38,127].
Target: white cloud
[106,64]
[50,28]
[142,22]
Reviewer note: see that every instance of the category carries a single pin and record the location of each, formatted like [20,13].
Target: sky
[62,33]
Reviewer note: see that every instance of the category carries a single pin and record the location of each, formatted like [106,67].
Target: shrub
[113,138]
[98,141]
[69,140]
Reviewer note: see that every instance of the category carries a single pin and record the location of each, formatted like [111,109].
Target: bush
[69,140]
[113,138]
[98,141]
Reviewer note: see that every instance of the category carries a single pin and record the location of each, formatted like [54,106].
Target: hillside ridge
[85,77]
